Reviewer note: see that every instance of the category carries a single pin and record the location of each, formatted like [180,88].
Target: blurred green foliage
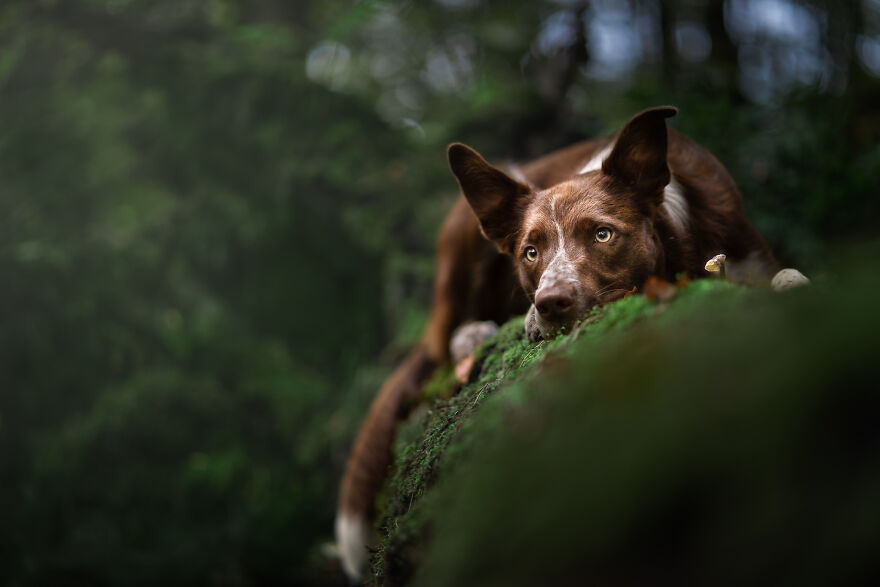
[216,235]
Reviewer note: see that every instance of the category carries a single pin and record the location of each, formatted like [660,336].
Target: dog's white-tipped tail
[352,537]
[370,455]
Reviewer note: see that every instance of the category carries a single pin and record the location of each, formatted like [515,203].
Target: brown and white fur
[581,226]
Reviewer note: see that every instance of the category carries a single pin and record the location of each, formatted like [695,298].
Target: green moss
[617,422]
[436,437]
[441,385]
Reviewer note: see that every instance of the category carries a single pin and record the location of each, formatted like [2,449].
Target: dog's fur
[582,226]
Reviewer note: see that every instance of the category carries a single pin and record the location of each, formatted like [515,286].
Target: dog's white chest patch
[675,205]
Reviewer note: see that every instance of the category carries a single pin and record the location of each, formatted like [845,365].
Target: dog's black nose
[556,304]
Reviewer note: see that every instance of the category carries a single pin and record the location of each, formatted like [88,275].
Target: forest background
[217,222]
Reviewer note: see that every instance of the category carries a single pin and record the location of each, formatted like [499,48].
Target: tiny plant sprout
[716,265]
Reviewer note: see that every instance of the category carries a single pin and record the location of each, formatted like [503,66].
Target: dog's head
[582,242]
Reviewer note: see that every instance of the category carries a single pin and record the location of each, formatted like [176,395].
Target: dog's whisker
[612,294]
[607,288]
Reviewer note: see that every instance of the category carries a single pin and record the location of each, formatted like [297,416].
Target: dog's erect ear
[638,158]
[497,199]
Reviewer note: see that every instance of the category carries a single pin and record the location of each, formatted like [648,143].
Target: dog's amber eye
[603,235]
[531,253]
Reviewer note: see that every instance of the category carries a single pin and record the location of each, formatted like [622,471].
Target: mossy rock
[725,436]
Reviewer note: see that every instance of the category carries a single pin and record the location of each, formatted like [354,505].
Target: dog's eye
[531,253]
[603,235]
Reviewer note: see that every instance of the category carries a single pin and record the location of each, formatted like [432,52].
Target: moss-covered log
[724,436]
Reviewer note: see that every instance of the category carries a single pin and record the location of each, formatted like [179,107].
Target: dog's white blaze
[674,203]
[560,268]
[676,206]
[352,536]
[559,234]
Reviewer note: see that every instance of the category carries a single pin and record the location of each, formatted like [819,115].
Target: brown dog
[583,226]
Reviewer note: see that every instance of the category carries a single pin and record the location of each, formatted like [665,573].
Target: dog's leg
[460,246]
[468,337]
[465,341]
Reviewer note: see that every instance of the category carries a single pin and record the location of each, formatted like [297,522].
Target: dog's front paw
[468,337]
[533,331]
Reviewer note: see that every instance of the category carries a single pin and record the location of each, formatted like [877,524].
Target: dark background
[217,222]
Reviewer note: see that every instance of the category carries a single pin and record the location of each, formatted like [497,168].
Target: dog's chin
[539,329]
[552,330]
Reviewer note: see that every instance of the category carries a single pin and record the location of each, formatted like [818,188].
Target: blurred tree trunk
[839,37]
[551,127]
[863,91]
[724,56]
[849,80]
[574,58]
[669,53]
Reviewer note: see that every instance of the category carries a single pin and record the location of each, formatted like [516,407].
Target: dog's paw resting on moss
[464,342]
